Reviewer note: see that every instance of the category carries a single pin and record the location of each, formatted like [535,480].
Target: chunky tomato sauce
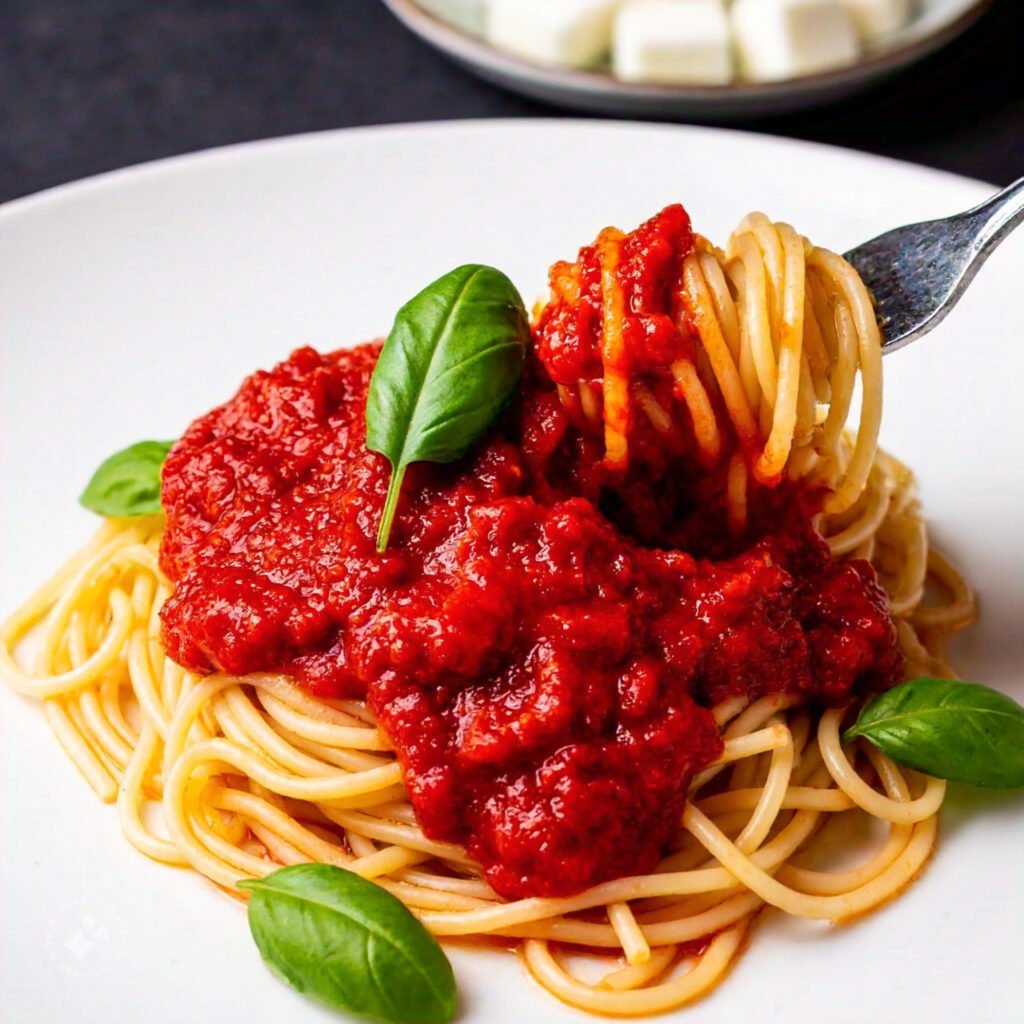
[543,639]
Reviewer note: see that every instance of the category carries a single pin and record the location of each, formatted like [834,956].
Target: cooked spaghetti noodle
[253,772]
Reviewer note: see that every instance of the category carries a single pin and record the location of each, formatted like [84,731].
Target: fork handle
[994,219]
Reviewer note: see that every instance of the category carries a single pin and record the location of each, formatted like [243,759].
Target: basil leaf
[128,483]
[452,359]
[949,729]
[350,944]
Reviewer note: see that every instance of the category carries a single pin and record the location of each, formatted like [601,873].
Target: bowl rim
[913,44]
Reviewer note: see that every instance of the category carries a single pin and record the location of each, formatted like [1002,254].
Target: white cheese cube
[675,41]
[875,19]
[784,38]
[467,15]
[572,33]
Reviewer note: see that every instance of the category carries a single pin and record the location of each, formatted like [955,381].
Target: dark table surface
[90,85]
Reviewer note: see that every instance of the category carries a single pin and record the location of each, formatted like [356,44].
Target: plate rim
[23,205]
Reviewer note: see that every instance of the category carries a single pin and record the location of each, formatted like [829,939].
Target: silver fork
[917,274]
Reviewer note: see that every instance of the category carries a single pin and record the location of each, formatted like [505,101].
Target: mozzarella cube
[785,38]
[875,19]
[572,33]
[467,15]
[673,41]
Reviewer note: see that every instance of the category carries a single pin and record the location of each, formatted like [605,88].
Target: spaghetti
[253,772]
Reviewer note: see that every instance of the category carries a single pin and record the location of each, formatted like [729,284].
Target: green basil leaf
[350,944]
[949,729]
[128,483]
[452,359]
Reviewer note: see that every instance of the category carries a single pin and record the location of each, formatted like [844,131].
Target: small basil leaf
[452,359]
[128,483]
[350,944]
[950,729]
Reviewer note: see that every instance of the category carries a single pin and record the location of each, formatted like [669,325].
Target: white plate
[133,302]
[938,22]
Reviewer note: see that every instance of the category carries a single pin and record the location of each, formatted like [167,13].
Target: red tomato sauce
[542,641]
[569,328]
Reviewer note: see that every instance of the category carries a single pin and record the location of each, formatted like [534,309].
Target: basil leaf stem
[349,944]
[450,362]
[947,728]
[128,483]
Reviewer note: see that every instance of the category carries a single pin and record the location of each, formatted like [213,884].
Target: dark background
[90,85]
